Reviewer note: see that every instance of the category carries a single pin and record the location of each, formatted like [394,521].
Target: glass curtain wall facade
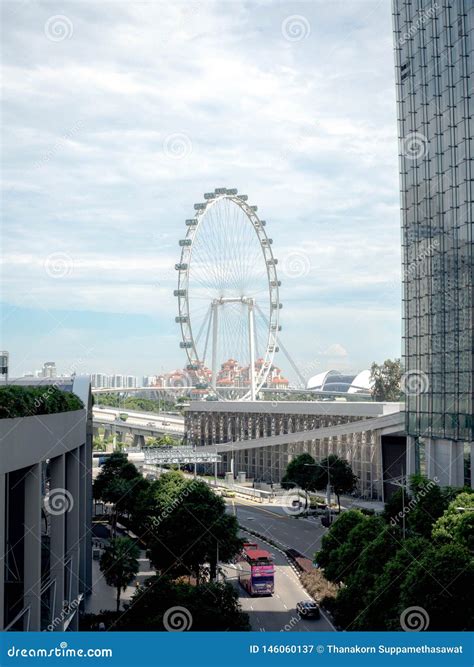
[434,76]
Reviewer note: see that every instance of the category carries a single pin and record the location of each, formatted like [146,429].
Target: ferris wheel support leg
[252,349]
[214,345]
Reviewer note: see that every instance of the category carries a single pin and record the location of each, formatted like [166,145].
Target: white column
[58,539]
[72,527]
[32,545]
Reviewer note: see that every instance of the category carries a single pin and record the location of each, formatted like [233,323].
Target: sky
[118,116]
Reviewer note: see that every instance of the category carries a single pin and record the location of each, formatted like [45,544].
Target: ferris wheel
[228,297]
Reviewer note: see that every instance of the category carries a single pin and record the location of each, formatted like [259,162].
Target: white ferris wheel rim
[272,284]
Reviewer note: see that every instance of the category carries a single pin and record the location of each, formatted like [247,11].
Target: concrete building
[45,521]
[434,61]
[260,438]
[49,369]
[100,381]
[130,381]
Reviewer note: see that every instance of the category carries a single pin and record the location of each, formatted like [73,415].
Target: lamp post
[401,483]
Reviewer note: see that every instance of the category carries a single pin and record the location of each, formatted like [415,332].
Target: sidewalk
[103,596]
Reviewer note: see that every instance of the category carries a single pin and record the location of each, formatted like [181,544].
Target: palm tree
[119,564]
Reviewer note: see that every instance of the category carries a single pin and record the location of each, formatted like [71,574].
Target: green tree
[154,500]
[211,606]
[98,445]
[341,477]
[299,473]
[191,529]
[381,601]
[429,503]
[386,380]
[394,506]
[345,559]
[457,522]
[441,582]
[118,483]
[119,564]
[363,574]
[163,441]
[337,535]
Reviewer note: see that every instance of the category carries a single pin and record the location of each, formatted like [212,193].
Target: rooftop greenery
[27,401]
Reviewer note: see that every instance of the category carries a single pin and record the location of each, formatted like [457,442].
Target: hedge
[27,401]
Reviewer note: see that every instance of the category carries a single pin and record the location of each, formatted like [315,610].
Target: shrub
[27,401]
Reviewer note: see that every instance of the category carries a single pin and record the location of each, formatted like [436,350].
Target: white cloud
[307,129]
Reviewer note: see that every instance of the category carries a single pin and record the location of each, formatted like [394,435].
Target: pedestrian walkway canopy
[179,455]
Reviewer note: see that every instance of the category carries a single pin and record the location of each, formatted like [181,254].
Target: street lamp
[401,483]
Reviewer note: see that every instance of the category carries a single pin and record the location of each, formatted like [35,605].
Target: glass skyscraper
[434,63]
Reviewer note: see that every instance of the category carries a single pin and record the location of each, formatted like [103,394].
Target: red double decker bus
[257,572]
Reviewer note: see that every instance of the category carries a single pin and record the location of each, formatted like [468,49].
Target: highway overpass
[138,424]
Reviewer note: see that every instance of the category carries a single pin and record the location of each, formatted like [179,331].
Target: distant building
[336,382]
[232,374]
[49,369]
[100,381]
[117,382]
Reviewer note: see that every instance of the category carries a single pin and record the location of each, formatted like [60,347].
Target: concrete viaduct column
[32,545]
[58,538]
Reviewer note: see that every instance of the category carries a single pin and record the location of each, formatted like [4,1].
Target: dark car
[308,609]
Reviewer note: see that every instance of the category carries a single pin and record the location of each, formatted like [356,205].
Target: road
[272,521]
[146,420]
[278,612]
